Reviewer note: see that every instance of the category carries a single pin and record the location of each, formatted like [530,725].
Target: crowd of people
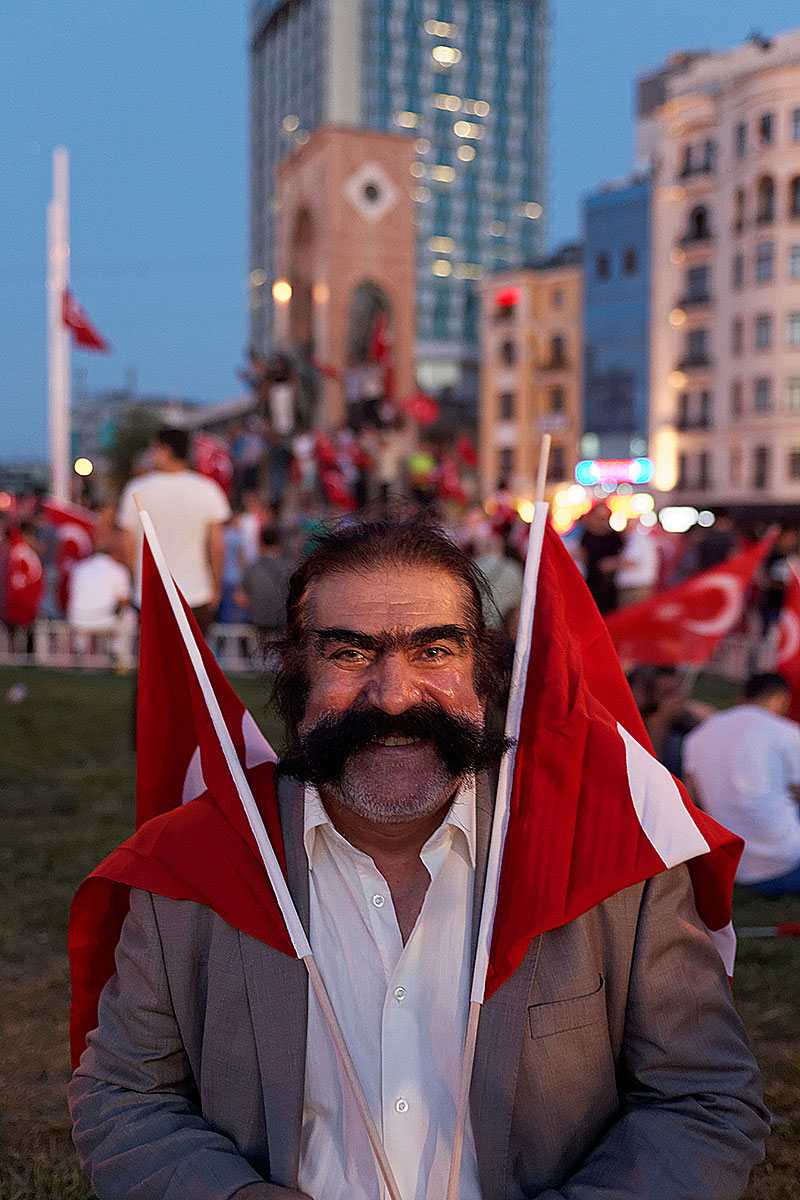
[232,550]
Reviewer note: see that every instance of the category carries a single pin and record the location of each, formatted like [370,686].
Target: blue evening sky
[150,99]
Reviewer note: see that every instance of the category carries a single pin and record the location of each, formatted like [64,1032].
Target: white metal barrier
[55,644]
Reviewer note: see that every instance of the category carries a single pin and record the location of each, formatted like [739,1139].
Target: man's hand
[268,1191]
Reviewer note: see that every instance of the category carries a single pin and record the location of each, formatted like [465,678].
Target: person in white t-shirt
[188,512]
[743,767]
[99,604]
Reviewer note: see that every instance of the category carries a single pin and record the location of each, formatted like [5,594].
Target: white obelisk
[58,336]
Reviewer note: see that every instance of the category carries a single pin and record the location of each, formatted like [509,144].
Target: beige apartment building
[725,341]
[531,372]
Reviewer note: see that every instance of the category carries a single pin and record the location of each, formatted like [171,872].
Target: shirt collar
[461,817]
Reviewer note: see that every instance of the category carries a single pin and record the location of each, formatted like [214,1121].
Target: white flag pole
[519,673]
[297,934]
[58,337]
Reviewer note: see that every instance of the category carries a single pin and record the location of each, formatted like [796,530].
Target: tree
[133,434]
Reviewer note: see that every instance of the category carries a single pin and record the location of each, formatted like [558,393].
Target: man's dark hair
[388,542]
[765,684]
[270,536]
[176,440]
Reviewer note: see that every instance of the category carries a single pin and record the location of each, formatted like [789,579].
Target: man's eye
[349,656]
[434,654]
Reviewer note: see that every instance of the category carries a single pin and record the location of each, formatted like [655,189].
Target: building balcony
[692,424]
[695,301]
[556,362]
[690,174]
[694,362]
[696,240]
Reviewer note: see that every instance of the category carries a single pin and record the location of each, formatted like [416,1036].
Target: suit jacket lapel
[277,988]
[497,1052]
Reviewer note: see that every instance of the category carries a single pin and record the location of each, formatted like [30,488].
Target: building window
[765,254]
[696,284]
[557,400]
[505,461]
[630,261]
[796,124]
[681,482]
[793,330]
[737,272]
[683,411]
[506,406]
[739,203]
[794,262]
[737,398]
[558,351]
[793,393]
[704,413]
[698,228]
[602,266]
[703,471]
[558,298]
[688,165]
[736,467]
[765,200]
[794,464]
[557,465]
[740,140]
[697,348]
[794,196]
[760,467]
[762,394]
[737,335]
[766,128]
[763,338]
[709,156]
[508,353]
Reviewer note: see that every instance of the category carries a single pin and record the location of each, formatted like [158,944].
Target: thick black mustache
[319,754]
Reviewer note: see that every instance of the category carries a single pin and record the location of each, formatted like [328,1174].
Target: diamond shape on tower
[371,192]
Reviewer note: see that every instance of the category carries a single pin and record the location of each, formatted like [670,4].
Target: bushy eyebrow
[388,642]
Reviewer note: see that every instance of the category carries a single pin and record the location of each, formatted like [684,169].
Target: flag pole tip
[137,499]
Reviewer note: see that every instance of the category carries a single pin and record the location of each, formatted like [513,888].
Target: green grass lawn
[67,786]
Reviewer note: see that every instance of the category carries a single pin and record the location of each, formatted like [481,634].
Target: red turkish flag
[465,449]
[83,331]
[381,351]
[212,458]
[592,811]
[75,529]
[24,582]
[684,624]
[787,657]
[193,840]
[421,407]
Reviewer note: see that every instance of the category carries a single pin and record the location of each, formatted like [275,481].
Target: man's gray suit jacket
[611,1065]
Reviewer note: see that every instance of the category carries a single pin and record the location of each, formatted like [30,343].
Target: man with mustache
[611,1065]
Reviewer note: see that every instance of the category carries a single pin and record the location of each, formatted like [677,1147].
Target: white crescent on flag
[257,750]
[789,644]
[733,597]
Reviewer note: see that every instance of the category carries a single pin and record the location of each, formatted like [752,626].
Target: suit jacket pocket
[559,1016]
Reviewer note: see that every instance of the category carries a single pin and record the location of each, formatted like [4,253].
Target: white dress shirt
[403,1012]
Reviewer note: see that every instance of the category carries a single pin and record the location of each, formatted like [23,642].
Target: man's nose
[392,686]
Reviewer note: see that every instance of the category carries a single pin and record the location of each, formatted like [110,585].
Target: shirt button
[399,993]
[401,1105]
[378,901]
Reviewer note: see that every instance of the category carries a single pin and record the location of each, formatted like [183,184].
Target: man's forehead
[388,599]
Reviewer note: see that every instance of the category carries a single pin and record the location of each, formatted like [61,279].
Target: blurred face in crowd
[392,719]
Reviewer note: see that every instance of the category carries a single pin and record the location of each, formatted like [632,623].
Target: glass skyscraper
[467,79]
